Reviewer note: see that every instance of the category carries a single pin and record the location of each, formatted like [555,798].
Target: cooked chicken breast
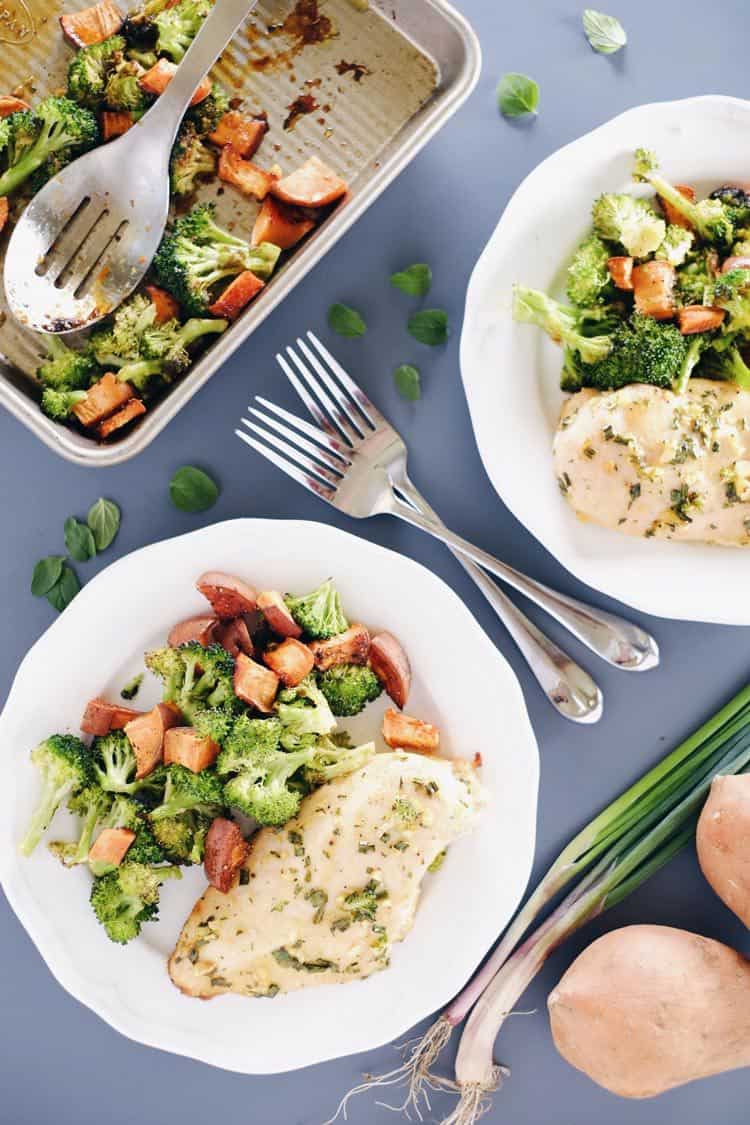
[324,898]
[649,462]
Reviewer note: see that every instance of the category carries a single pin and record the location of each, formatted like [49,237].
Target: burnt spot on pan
[357,70]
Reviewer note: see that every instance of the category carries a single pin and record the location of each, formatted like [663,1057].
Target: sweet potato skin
[390,664]
[404,732]
[229,596]
[280,620]
[183,746]
[100,717]
[200,629]
[647,1008]
[312,185]
[280,224]
[723,842]
[226,851]
[254,684]
[653,289]
[350,647]
[244,134]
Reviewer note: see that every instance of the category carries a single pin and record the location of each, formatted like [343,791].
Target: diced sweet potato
[243,133]
[391,665]
[403,732]
[106,396]
[167,308]
[243,174]
[671,214]
[146,735]
[699,318]
[115,124]
[4,211]
[291,661]
[132,409]
[92,25]
[228,595]
[279,619]
[226,851]
[254,684]
[351,647]
[312,185]
[235,637]
[237,295]
[653,289]
[183,746]
[100,717]
[278,224]
[621,272]
[10,104]
[200,629]
[156,80]
[111,846]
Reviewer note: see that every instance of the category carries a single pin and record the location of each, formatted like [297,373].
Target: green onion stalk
[613,855]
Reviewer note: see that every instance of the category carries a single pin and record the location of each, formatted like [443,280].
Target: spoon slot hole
[98,270]
[75,258]
[47,259]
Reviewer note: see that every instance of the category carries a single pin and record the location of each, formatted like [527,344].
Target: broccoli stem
[193,329]
[51,799]
[693,354]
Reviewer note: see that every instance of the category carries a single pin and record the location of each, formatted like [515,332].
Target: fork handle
[619,642]
[569,689]
[163,120]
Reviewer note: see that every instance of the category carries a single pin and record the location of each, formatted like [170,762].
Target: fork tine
[323,436]
[294,453]
[312,404]
[302,442]
[352,433]
[366,407]
[310,483]
[354,415]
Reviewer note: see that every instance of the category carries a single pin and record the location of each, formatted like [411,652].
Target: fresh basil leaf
[517,95]
[64,590]
[346,321]
[46,573]
[192,490]
[416,280]
[407,382]
[430,326]
[605,33]
[104,521]
[79,540]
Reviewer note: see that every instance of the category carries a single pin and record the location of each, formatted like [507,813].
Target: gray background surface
[58,1061]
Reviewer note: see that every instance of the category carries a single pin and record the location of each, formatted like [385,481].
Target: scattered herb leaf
[192,490]
[416,280]
[104,521]
[517,95]
[346,321]
[430,326]
[407,382]
[79,540]
[64,590]
[132,687]
[605,33]
[46,575]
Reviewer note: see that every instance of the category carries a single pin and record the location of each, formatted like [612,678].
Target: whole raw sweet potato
[646,1008]
[723,842]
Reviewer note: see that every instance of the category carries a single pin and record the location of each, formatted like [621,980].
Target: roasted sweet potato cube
[653,289]
[291,661]
[254,684]
[280,620]
[226,851]
[621,272]
[350,647]
[390,664]
[280,224]
[167,308]
[671,214]
[312,185]
[699,318]
[92,25]
[115,124]
[132,409]
[235,637]
[100,717]
[200,629]
[228,595]
[156,80]
[237,295]
[243,174]
[11,104]
[240,132]
[403,732]
[105,397]
[183,746]
[146,736]
[111,846]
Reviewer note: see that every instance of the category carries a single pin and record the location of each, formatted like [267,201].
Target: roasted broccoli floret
[709,217]
[732,292]
[245,739]
[695,349]
[191,159]
[319,613]
[632,223]
[562,323]
[696,276]
[329,760]
[589,282]
[215,723]
[262,791]
[643,350]
[91,804]
[723,360]
[43,140]
[177,27]
[195,678]
[186,791]
[64,764]
[139,28]
[349,688]
[89,70]
[304,714]
[207,114]
[736,203]
[58,405]
[183,837]
[115,766]
[677,244]
[129,896]
[123,91]
[66,369]
[198,254]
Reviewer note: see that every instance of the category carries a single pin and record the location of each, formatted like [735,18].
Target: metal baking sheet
[383,77]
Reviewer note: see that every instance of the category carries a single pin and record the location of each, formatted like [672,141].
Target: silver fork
[357,461]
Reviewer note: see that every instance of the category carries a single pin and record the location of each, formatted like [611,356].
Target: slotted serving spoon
[88,237]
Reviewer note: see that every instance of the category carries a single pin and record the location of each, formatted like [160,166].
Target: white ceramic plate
[95,647]
[511,371]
